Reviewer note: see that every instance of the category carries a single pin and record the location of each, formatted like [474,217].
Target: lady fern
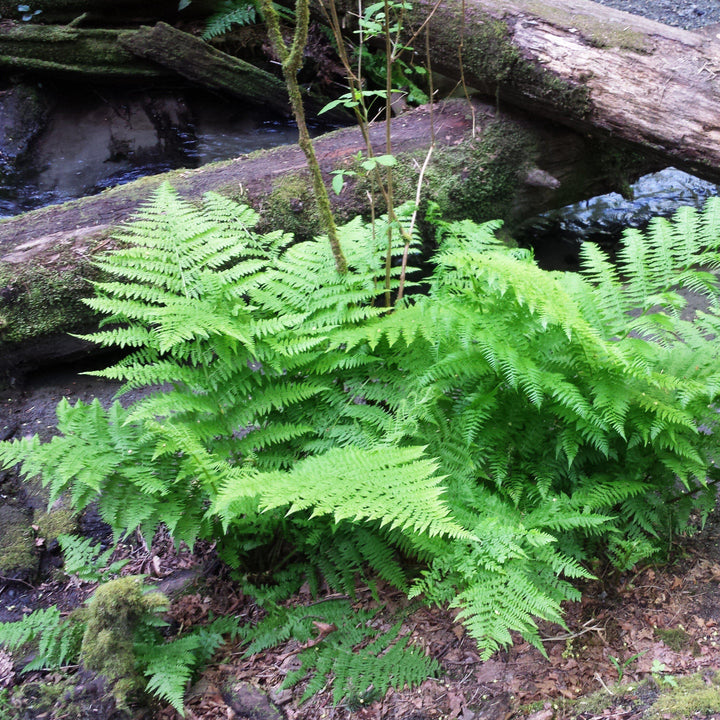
[498,430]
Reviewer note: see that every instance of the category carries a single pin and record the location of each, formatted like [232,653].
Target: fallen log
[160,52]
[91,55]
[483,167]
[583,64]
[192,58]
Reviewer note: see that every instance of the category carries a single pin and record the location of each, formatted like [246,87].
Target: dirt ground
[649,628]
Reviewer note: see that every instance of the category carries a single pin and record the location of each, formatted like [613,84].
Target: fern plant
[351,654]
[88,561]
[56,639]
[229,13]
[119,635]
[497,431]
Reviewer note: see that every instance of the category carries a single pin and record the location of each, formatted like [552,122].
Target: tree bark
[484,166]
[92,55]
[192,58]
[588,66]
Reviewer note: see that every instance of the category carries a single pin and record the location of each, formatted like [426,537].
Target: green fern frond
[230,13]
[57,639]
[397,487]
[87,560]
[353,656]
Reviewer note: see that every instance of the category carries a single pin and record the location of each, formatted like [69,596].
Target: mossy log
[484,166]
[586,65]
[91,55]
[158,52]
[195,60]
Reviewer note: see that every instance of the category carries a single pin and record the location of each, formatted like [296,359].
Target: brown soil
[657,623]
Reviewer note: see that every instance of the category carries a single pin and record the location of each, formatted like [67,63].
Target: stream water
[556,236]
[99,139]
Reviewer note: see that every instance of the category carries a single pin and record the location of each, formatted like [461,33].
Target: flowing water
[98,139]
[556,236]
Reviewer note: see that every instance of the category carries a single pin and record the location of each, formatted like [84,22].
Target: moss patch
[112,619]
[476,180]
[291,207]
[52,523]
[87,52]
[699,693]
[17,548]
[492,61]
[39,300]
[655,698]
[71,698]
[598,32]
[675,638]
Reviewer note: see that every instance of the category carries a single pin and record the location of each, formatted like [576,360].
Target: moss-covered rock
[83,696]
[17,547]
[113,616]
[54,522]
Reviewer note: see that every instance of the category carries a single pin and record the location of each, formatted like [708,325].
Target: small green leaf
[386,160]
[338,182]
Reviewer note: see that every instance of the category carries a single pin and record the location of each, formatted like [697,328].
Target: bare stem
[291,61]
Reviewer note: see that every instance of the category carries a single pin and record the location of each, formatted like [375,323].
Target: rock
[18,559]
[24,112]
[249,701]
[84,696]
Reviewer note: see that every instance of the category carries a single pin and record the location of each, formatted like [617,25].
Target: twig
[570,636]
[17,580]
[413,219]
[602,682]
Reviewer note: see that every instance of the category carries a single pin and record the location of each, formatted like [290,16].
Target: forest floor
[656,629]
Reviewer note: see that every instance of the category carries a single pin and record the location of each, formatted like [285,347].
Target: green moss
[477,180]
[17,549]
[52,523]
[41,300]
[69,698]
[113,615]
[699,693]
[291,207]
[89,52]
[675,638]
[491,60]
[596,703]
[598,32]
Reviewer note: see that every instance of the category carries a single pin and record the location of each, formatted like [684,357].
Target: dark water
[99,139]
[556,237]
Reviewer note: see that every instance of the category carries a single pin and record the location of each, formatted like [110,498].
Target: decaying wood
[91,55]
[589,66]
[158,52]
[529,164]
[195,60]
